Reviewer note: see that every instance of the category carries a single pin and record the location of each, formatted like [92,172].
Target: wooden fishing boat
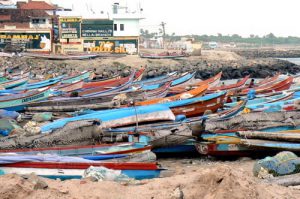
[61,104]
[97,78]
[214,149]
[14,83]
[104,90]
[139,74]
[273,106]
[230,87]
[156,80]
[70,87]
[17,102]
[73,168]
[265,100]
[274,87]
[286,136]
[269,80]
[82,76]
[193,121]
[198,106]
[188,94]
[61,57]
[270,145]
[213,81]
[40,84]
[80,151]
[118,117]
[108,83]
[165,55]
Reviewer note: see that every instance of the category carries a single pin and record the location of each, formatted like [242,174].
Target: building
[126,28]
[42,27]
[117,32]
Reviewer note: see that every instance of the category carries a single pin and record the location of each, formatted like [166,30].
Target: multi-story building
[27,25]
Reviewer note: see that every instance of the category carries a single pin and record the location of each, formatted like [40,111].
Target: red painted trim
[67,165]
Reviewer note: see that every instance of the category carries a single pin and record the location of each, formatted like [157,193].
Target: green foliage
[268,39]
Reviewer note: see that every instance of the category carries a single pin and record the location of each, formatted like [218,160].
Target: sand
[191,178]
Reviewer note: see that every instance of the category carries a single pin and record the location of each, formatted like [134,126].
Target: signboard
[117,46]
[40,41]
[97,28]
[70,28]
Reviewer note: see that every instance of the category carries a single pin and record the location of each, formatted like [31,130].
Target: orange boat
[185,95]
[211,82]
[198,108]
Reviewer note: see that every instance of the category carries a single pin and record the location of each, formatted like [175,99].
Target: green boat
[76,78]
[17,102]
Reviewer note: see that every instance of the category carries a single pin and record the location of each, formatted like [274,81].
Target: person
[251,85]
[229,100]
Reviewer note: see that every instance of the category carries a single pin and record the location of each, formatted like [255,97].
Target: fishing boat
[164,55]
[118,117]
[230,87]
[185,95]
[178,81]
[108,83]
[70,87]
[104,90]
[64,167]
[156,80]
[14,83]
[198,106]
[139,74]
[81,151]
[114,100]
[213,81]
[61,57]
[270,87]
[264,100]
[17,102]
[40,84]
[82,76]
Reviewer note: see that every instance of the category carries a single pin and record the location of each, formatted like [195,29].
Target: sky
[243,17]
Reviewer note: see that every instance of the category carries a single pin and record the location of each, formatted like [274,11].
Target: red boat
[231,86]
[275,87]
[112,82]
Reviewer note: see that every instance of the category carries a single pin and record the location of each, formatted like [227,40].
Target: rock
[36,181]
[177,193]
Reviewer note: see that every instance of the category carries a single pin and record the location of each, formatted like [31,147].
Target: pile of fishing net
[284,163]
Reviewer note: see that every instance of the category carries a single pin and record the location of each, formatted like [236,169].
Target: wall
[32,40]
[131,27]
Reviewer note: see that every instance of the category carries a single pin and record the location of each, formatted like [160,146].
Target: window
[35,21]
[115,27]
[121,27]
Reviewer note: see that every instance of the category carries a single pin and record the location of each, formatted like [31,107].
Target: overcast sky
[243,17]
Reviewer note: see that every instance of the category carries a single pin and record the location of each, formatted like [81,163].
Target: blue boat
[118,117]
[64,167]
[40,84]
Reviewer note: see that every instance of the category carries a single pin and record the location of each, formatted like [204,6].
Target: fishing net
[284,163]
